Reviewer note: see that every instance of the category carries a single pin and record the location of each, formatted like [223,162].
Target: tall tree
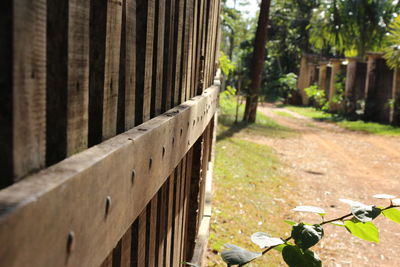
[258,63]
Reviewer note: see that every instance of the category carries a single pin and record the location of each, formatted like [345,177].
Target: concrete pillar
[335,62]
[350,89]
[395,109]
[322,75]
[303,78]
[378,89]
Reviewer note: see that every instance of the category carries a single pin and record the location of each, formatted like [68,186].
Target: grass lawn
[248,187]
[367,127]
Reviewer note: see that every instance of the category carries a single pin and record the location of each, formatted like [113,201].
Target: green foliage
[225,64]
[363,230]
[317,97]
[297,257]
[351,27]
[392,50]
[392,214]
[306,236]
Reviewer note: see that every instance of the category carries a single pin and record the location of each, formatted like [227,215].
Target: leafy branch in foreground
[358,222]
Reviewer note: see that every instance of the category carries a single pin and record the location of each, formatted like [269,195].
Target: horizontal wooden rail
[73,213]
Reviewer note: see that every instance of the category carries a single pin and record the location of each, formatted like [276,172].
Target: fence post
[322,75]
[302,82]
[395,109]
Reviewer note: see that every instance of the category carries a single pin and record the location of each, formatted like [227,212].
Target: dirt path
[329,163]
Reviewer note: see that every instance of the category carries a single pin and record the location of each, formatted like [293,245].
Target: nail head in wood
[70,242]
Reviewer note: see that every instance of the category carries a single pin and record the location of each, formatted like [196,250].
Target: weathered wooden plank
[145,11]
[142,239]
[57,82]
[126,246]
[97,53]
[179,15]
[152,231]
[162,207]
[187,204]
[108,262]
[182,210]
[130,63]
[116,255]
[168,56]
[135,243]
[111,71]
[78,76]
[185,52]
[6,94]
[158,58]
[29,86]
[177,216]
[169,240]
[72,195]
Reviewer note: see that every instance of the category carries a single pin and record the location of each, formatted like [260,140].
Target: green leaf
[296,257]
[311,209]
[263,240]
[237,255]
[290,222]
[365,213]
[306,236]
[280,247]
[363,230]
[392,214]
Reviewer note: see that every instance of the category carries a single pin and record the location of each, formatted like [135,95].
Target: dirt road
[329,163]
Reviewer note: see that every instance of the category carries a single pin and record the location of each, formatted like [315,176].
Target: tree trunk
[257,63]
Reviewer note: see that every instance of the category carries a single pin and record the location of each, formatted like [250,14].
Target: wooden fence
[107,114]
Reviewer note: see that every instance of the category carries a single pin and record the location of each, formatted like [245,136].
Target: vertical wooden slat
[193,197]
[29,86]
[108,262]
[121,75]
[187,206]
[78,76]
[111,71]
[162,207]
[157,79]
[142,248]
[144,58]
[170,222]
[116,255]
[130,63]
[126,243]
[6,93]
[168,55]
[152,231]
[185,54]
[135,243]
[57,82]
[183,210]
[97,52]
[177,216]
[179,15]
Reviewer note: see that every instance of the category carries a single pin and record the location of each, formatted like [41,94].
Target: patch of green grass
[361,126]
[284,114]
[310,112]
[370,127]
[246,185]
[246,181]
[264,126]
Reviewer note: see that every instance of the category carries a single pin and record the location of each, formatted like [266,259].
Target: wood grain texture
[177,217]
[108,262]
[145,13]
[179,16]
[170,220]
[185,52]
[168,66]
[29,86]
[78,76]
[142,246]
[126,246]
[130,63]
[158,58]
[162,207]
[111,68]
[152,232]
[70,196]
